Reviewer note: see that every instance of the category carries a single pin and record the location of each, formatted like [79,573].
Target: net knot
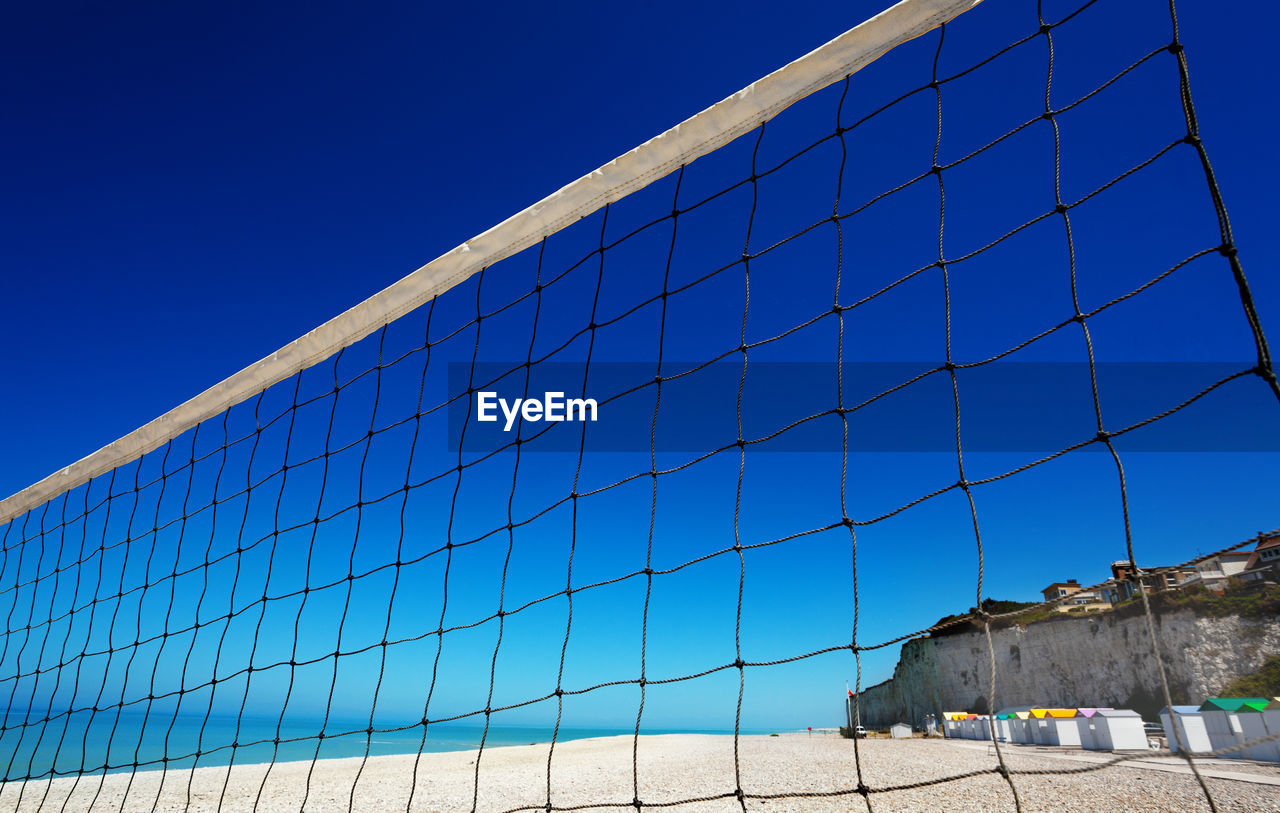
[1175,48]
[1061,208]
[636,803]
[935,169]
[1102,436]
[739,663]
[847,522]
[1265,373]
[1045,28]
[863,790]
[1227,250]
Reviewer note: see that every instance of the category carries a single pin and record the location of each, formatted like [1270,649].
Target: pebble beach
[672,768]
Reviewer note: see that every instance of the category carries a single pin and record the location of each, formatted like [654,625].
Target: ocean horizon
[88,743]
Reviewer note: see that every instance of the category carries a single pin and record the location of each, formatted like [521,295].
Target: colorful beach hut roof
[1118,713]
[1092,711]
[1180,709]
[1231,703]
[1040,714]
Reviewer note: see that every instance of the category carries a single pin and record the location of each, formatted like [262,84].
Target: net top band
[654,159]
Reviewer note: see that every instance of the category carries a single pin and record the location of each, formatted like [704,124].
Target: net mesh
[316,573]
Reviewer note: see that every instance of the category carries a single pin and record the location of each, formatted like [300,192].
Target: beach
[673,767]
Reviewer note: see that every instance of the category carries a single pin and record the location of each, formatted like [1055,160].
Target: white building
[1253,726]
[900,731]
[1214,571]
[1271,718]
[1222,721]
[1065,731]
[1190,728]
[1116,730]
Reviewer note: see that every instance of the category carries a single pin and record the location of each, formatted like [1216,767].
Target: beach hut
[983,727]
[1009,724]
[1020,727]
[1222,721]
[1039,727]
[1253,726]
[1084,720]
[951,723]
[1064,727]
[1001,723]
[1190,723]
[1271,718]
[1117,730]
[900,731]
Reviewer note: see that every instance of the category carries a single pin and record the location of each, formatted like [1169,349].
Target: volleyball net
[353,548]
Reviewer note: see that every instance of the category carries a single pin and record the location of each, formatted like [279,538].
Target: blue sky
[196,187]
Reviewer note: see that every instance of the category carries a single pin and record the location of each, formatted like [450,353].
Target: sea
[113,741]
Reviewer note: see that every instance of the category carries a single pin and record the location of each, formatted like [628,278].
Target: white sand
[672,767]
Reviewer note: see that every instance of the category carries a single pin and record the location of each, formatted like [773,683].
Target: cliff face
[1100,660]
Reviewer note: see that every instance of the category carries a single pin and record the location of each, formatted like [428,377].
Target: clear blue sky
[190,188]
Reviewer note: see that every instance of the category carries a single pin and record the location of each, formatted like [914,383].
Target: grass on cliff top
[1237,600]
[1263,683]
